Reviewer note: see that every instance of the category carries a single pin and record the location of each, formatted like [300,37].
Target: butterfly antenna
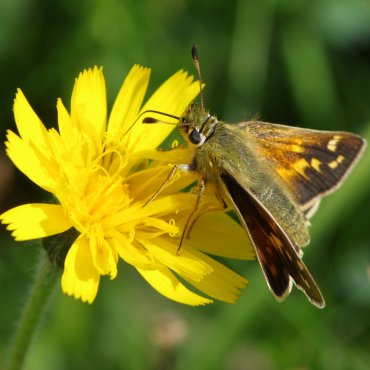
[151,119]
[194,54]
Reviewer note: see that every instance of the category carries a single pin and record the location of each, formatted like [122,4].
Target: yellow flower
[98,171]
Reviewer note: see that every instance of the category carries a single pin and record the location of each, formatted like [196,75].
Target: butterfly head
[197,124]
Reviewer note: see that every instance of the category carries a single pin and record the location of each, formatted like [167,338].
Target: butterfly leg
[189,222]
[220,206]
[171,175]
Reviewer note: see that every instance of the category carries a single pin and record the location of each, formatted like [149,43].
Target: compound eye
[195,137]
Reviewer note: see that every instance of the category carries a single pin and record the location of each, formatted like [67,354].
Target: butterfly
[273,177]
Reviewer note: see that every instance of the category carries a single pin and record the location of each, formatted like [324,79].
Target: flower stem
[41,290]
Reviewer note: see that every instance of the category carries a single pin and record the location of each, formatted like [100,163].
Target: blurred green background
[301,62]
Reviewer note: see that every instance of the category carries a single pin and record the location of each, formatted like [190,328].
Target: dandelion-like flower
[101,173]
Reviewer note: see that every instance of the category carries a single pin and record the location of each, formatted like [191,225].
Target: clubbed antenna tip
[194,54]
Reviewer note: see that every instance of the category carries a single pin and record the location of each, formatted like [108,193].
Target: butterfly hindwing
[276,254]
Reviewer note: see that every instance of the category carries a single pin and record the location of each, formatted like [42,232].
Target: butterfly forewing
[311,163]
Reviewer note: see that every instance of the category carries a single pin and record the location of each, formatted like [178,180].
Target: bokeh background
[301,62]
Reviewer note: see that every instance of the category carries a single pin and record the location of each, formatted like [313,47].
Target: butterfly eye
[195,136]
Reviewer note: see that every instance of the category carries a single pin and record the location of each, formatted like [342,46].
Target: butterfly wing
[276,253]
[311,163]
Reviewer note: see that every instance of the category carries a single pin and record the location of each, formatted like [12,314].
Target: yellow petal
[172,97]
[80,278]
[222,284]
[146,182]
[166,283]
[105,261]
[30,128]
[188,264]
[137,257]
[218,234]
[161,225]
[176,155]
[170,203]
[163,205]
[129,100]
[88,103]
[33,221]
[65,125]
[29,161]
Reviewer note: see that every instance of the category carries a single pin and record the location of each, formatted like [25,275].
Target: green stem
[39,295]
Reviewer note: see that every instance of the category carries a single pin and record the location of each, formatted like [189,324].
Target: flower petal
[28,161]
[218,234]
[33,221]
[105,261]
[144,183]
[189,263]
[66,129]
[166,283]
[222,284]
[129,100]
[176,155]
[30,128]
[159,206]
[172,97]
[80,278]
[89,103]
[137,257]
